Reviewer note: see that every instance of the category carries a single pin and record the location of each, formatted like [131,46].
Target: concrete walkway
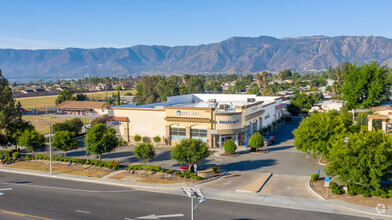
[229,195]
[284,185]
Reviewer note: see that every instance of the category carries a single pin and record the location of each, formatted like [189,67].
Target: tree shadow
[279,148]
[118,154]
[162,157]
[246,165]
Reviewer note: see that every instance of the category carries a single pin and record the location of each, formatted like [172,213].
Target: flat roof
[206,101]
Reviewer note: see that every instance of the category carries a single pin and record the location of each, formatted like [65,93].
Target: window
[248,132]
[177,133]
[199,134]
[254,127]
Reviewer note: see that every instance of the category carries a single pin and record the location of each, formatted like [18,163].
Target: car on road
[272,139]
[185,167]
[266,142]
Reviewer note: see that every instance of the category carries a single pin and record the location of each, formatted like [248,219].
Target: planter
[205,174]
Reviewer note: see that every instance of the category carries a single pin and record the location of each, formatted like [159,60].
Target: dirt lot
[42,126]
[318,187]
[62,167]
[153,177]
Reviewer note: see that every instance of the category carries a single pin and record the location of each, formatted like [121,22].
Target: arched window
[199,132]
[177,132]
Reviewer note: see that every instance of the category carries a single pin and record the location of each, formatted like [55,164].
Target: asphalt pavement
[34,197]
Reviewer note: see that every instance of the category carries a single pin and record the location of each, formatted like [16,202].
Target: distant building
[327,105]
[82,107]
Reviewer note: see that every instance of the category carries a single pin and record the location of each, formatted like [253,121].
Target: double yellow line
[24,215]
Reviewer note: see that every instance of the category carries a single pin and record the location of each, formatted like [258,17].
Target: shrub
[384,196]
[157,139]
[198,178]
[178,173]
[337,191]
[314,177]
[215,169]
[137,138]
[16,155]
[169,171]
[256,141]
[366,195]
[351,192]
[229,146]
[28,157]
[124,142]
[5,153]
[333,185]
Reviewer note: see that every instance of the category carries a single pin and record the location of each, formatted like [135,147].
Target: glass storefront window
[254,127]
[177,133]
[199,134]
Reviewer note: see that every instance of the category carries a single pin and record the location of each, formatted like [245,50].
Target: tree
[301,102]
[65,141]
[75,125]
[190,151]
[317,133]
[137,138]
[11,122]
[81,97]
[31,140]
[229,146]
[367,85]
[264,77]
[144,151]
[65,95]
[101,139]
[367,159]
[256,141]
[118,97]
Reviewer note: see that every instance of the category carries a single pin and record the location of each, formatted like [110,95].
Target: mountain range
[234,55]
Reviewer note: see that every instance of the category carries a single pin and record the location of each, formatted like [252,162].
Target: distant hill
[237,54]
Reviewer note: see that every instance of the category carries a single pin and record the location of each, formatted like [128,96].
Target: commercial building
[212,118]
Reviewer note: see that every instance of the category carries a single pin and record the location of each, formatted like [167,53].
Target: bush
[137,138]
[314,177]
[28,157]
[366,195]
[124,142]
[178,173]
[5,153]
[384,196]
[157,139]
[198,178]
[229,146]
[145,167]
[215,169]
[16,155]
[333,185]
[256,141]
[351,192]
[337,191]
[169,172]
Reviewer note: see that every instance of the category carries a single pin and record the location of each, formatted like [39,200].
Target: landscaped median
[356,194]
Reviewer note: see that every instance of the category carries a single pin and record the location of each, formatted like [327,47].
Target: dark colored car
[272,139]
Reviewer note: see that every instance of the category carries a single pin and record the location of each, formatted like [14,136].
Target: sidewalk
[329,206]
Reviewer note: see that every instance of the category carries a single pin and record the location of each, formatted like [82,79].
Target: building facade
[212,118]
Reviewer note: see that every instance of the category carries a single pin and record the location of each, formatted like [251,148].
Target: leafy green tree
[145,152]
[317,133]
[81,97]
[229,146]
[31,140]
[286,74]
[367,85]
[101,139]
[256,141]
[65,95]
[74,125]
[196,84]
[11,122]
[367,159]
[137,138]
[65,141]
[254,89]
[190,151]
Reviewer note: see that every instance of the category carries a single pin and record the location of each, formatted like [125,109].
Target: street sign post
[113,164]
[327,184]
[193,192]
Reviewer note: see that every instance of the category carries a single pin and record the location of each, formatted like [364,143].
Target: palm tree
[259,79]
[280,76]
[264,76]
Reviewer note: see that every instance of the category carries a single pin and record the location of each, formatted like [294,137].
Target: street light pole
[50,144]
[361,118]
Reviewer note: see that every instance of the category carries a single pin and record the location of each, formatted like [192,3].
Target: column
[188,132]
[370,124]
[220,141]
[209,138]
[167,135]
[236,139]
[384,126]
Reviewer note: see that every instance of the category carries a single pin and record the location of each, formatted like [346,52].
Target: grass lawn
[41,126]
[49,101]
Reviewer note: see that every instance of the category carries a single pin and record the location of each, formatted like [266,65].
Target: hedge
[6,153]
[146,167]
[76,160]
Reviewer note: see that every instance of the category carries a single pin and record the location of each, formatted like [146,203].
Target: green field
[42,126]
[49,101]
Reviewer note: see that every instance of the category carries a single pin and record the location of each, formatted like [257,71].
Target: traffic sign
[326,182]
[114,163]
[193,192]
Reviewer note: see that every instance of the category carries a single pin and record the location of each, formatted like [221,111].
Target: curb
[322,164]
[215,178]
[307,186]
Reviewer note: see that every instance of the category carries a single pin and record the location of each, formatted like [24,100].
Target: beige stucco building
[212,118]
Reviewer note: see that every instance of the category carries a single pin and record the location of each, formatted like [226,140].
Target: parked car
[185,167]
[266,142]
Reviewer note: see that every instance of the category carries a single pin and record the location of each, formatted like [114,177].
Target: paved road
[34,197]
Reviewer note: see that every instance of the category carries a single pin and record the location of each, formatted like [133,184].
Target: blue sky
[35,24]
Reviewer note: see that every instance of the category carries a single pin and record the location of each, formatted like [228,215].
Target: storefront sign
[187,113]
[116,123]
[229,121]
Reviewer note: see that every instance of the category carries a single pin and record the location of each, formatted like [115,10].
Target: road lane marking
[87,212]
[5,189]
[70,189]
[24,215]
[153,216]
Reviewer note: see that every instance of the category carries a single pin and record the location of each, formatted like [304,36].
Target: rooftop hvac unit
[212,100]
[224,106]
[251,99]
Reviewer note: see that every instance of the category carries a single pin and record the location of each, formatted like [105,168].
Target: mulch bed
[259,152]
[318,187]
[230,155]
